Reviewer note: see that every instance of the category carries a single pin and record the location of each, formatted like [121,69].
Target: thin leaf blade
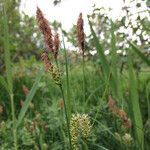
[134,105]
[29,97]
[139,53]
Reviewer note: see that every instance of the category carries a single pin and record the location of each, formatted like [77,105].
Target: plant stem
[66,115]
[68,87]
[84,80]
[14,121]
[67,80]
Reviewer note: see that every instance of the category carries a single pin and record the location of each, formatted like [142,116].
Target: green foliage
[124,76]
[29,98]
[134,105]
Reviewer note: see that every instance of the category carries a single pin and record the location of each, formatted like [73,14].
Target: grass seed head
[45,29]
[46,60]
[80,33]
[79,126]
[56,45]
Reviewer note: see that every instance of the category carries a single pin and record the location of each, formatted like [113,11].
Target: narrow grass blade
[67,80]
[104,62]
[114,61]
[4,84]
[116,85]
[148,98]
[104,127]
[29,97]
[134,105]
[140,54]
[113,50]
[7,51]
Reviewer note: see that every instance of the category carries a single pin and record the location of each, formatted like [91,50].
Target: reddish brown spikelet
[56,45]
[80,33]
[45,29]
[25,90]
[21,103]
[1,109]
[122,114]
[119,113]
[61,104]
[111,102]
[112,105]
[46,61]
[126,121]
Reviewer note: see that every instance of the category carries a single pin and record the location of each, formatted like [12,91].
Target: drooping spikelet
[119,112]
[80,33]
[56,45]
[46,60]
[52,46]
[80,126]
[45,29]
[55,73]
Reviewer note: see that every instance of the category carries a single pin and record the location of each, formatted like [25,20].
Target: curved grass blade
[134,105]
[139,53]
[29,97]
[104,62]
[69,107]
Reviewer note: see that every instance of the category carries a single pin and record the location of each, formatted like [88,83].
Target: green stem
[68,87]
[14,121]
[84,79]
[67,80]
[66,115]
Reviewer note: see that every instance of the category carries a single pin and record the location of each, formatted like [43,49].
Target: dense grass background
[32,109]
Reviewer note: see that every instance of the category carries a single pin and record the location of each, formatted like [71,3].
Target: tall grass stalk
[114,61]
[66,116]
[84,79]
[9,73]
[69,105]
[134,105]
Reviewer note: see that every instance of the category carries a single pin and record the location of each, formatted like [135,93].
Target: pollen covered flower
[80,126]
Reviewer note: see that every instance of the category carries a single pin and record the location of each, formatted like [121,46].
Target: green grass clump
[107,108]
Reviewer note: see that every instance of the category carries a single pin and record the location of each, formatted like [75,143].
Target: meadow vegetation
[52,98]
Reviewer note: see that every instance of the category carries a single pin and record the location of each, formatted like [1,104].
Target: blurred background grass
[124,74]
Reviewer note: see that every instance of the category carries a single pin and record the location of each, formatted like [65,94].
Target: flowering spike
[80,33]
[45,29]
[56,45]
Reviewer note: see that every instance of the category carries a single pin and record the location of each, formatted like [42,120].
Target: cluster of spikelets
[54,71]
[51,46]
[52,43]
[126,138]
[80,126]
[120,113]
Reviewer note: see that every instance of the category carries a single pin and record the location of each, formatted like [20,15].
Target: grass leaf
[134,105]
[29,97]
[69,107]
[104,62]
[140,54]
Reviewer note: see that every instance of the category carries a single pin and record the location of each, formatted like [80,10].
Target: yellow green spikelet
[80,126]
